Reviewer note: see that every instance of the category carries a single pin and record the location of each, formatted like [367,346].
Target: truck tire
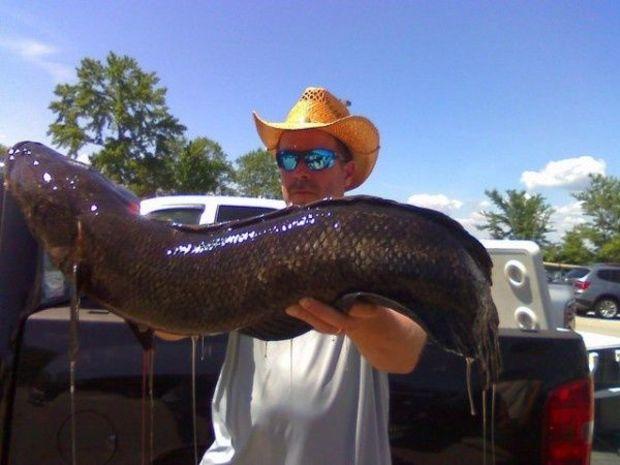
[606,308]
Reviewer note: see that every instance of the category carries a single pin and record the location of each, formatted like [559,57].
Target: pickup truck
[139,399]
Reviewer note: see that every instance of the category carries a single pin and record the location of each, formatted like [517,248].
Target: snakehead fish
[241,275]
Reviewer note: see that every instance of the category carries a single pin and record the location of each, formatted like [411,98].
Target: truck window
[183,215]
[111,392]
[237,212]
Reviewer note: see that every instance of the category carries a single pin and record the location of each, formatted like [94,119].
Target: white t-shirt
[305,401]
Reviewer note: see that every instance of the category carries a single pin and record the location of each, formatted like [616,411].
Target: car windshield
[577,273]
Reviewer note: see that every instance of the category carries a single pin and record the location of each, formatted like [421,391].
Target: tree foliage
[201,167]
[601,202]
[519,215]
[576,248]
[3,151]
[257,175]
[610,251]
[597,240]
[120,110]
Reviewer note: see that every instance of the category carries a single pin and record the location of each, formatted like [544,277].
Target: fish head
[56,193]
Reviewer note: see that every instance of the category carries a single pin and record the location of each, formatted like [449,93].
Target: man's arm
[389,340]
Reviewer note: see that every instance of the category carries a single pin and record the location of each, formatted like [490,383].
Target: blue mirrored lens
[287,161]
[320,159]
[315,160]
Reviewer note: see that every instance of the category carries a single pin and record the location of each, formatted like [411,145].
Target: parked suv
[575,274]
[599,290]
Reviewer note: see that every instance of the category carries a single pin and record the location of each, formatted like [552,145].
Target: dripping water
[73,352]
[204,346]
[493,423]
[484,426]
[151,387]
[145,356]
[194,417]
[148,356]
[290,367]
[152,399]
[469,362]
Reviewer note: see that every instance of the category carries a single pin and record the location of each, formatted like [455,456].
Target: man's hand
[389,340]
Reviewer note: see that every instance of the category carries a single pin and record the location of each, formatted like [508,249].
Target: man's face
[302,185]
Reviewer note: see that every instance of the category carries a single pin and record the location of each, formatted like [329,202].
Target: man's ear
[349,170]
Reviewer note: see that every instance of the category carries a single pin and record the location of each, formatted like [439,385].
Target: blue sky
[467,96]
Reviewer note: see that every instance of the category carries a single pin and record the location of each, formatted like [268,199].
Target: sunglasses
[315,160]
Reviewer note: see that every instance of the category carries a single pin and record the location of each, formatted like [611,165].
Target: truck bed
[430,422]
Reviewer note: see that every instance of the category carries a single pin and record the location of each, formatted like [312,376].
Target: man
[320,398]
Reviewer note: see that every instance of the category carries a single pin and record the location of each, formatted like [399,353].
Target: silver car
[599,290]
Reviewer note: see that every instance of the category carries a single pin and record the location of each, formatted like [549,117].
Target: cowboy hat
[319,109]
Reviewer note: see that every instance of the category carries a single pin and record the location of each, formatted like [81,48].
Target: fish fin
[277,329]
[346,301]
[286,327]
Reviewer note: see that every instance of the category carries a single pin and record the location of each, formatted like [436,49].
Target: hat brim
[356,132]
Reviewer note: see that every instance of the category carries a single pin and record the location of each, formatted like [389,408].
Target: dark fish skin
[242,275]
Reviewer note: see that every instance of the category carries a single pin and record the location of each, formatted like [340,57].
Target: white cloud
[564,218]
[30,48]
[570,173]
[39,54]
[435,201]
[470,222]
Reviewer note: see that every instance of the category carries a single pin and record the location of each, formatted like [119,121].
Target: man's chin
[303,197]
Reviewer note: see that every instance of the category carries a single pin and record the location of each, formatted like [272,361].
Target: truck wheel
[606,308]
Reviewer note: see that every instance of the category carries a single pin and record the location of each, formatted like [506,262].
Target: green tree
[576,248]
[601,202]
[553,253]
[120,110]
[201,167]
[610,251]
[3,150]
[257,175]
[519,216]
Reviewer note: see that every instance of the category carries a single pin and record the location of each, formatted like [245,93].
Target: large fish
[242,275]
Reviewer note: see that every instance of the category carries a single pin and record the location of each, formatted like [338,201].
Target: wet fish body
[242,275]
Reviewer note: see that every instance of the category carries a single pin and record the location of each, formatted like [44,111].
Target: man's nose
[301,170]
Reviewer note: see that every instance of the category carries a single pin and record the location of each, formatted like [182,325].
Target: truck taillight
[568,424]
[581,285]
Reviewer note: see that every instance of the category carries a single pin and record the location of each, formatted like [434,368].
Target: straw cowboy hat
[319,109]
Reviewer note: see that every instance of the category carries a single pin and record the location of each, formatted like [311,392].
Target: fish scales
[242,275]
